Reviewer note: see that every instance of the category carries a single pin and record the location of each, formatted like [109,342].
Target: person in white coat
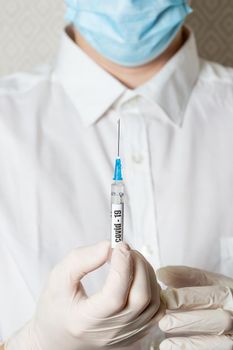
[136,61]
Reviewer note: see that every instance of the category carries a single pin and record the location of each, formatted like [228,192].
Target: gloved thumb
[183,276]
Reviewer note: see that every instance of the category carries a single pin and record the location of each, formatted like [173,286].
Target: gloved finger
[183,276]
[197,298]
[113,296]
[78,263]
[214,322]
[198,343]
[144,296]
[140,313]
[143,321]
[140,291]
[155,287]
[157,309]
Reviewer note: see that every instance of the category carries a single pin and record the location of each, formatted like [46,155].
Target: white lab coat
[57,149]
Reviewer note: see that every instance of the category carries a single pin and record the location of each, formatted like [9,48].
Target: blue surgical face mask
[128,32]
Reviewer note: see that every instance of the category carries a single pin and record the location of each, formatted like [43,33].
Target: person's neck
[136,76]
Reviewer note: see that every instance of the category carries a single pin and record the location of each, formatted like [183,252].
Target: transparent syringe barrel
[117,213]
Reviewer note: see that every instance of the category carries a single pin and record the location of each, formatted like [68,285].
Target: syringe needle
[119,136]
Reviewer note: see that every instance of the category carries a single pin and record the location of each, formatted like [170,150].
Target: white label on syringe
[117,223]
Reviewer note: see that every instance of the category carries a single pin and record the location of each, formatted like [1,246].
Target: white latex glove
[200,307]
[119,314]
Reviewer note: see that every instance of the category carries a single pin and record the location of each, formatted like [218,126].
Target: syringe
[117,199]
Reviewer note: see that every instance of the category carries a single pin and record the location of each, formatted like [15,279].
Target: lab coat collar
[171,88]
[93,91]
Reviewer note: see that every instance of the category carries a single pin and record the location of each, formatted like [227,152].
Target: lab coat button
[137,158]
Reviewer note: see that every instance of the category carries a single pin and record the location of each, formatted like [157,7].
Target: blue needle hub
[118,171]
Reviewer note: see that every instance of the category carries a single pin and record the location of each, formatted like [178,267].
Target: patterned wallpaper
[29,32]
[212,22]
[30,29]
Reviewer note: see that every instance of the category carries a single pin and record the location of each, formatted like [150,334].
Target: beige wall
[30,29]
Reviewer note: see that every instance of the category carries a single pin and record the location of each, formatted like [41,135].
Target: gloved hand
[199,306]
[119,314]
